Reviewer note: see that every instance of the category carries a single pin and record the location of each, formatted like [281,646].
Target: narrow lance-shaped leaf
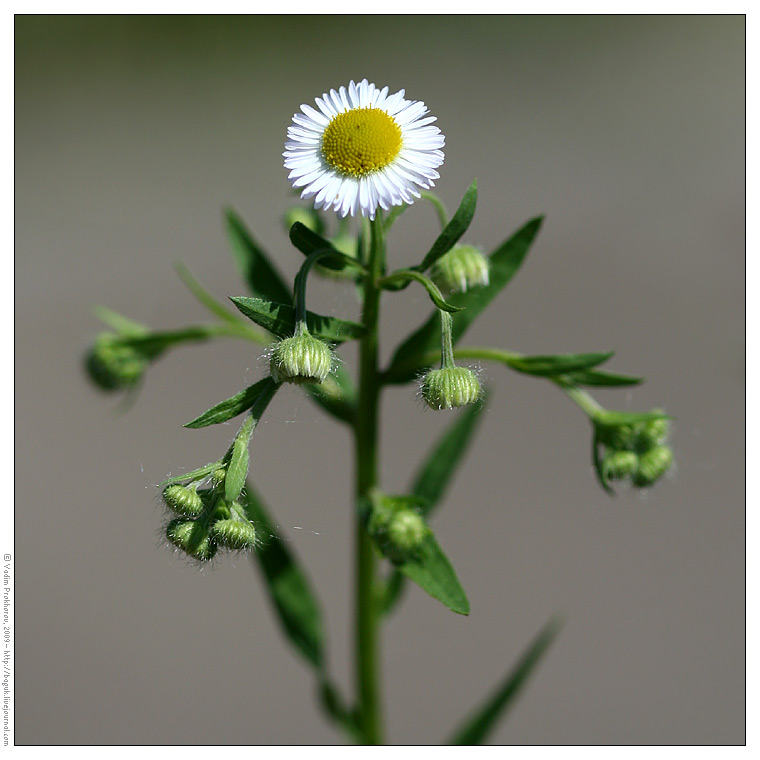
[288,587]
[558,364]
[454,229]
[295,605]
[600,378]
[336,394]
[434,476]
[439,467]
[238,456]
[504,263]
[309,242]
[431,570]
[259,273]
[483,721]
[231,407]
[280,319]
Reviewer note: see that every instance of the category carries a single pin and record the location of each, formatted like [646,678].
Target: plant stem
[366,437]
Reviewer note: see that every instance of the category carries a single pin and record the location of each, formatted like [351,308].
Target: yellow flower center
[361,141]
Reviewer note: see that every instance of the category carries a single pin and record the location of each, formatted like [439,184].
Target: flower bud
[463,267]
[300,359]
[653,464]
[398,530]
[218,476]
[184,500]
[234,534]
[192,537]
[450,387]
[653,433]
[113,365]
[619,464]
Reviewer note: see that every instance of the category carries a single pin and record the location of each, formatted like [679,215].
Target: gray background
[628,132]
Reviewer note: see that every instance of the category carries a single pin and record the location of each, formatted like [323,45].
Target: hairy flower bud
[300,359]
[234,534]
[112,364]
[619,464]
[653,464]
[192,537]
[463,267]
[184,500]
[450,387]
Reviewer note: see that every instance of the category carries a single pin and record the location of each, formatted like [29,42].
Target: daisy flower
[362,149]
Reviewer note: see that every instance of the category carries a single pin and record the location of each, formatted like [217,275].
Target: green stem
[366,437]
[440,209]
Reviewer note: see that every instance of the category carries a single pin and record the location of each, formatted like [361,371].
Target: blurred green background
[131,135]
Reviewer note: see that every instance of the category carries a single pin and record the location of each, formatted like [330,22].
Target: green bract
[300,359]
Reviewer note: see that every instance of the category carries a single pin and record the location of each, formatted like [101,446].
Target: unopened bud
[184,500]
[397,528]
[653,464]
[300,359]
[113,365]
[450,387]
[234,534]
[218,476]
[463,267]
[619,464]
[192,537]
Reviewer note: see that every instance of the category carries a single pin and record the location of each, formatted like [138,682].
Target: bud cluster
[397,528]
[204,521]
[636,451]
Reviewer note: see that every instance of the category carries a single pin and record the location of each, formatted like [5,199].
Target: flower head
[363,149]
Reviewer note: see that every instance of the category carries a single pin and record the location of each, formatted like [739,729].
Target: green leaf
[454,229]
[504,263]
[289,590]
[436,472]
[238,456]
[476,730]
[280,319]
[121,324]
[309,242]
[336,394]
[259,273]
[558,364]
[600,378]
[232,407]
[431,571]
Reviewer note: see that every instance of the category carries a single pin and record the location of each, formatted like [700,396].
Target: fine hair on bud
[653,464]
[450,387]
[461,268]
[192,537]
[184,500]
[238,535]
[300,359]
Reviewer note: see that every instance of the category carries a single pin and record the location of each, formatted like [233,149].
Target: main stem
[366,436]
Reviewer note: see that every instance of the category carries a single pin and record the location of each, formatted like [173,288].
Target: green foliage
[454,229]
[559,364]
[409,357]
[280,319]
[287,585]
[478,727]
[599,378]
[231,407]
[254,265]
[439,467]
[309,242]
